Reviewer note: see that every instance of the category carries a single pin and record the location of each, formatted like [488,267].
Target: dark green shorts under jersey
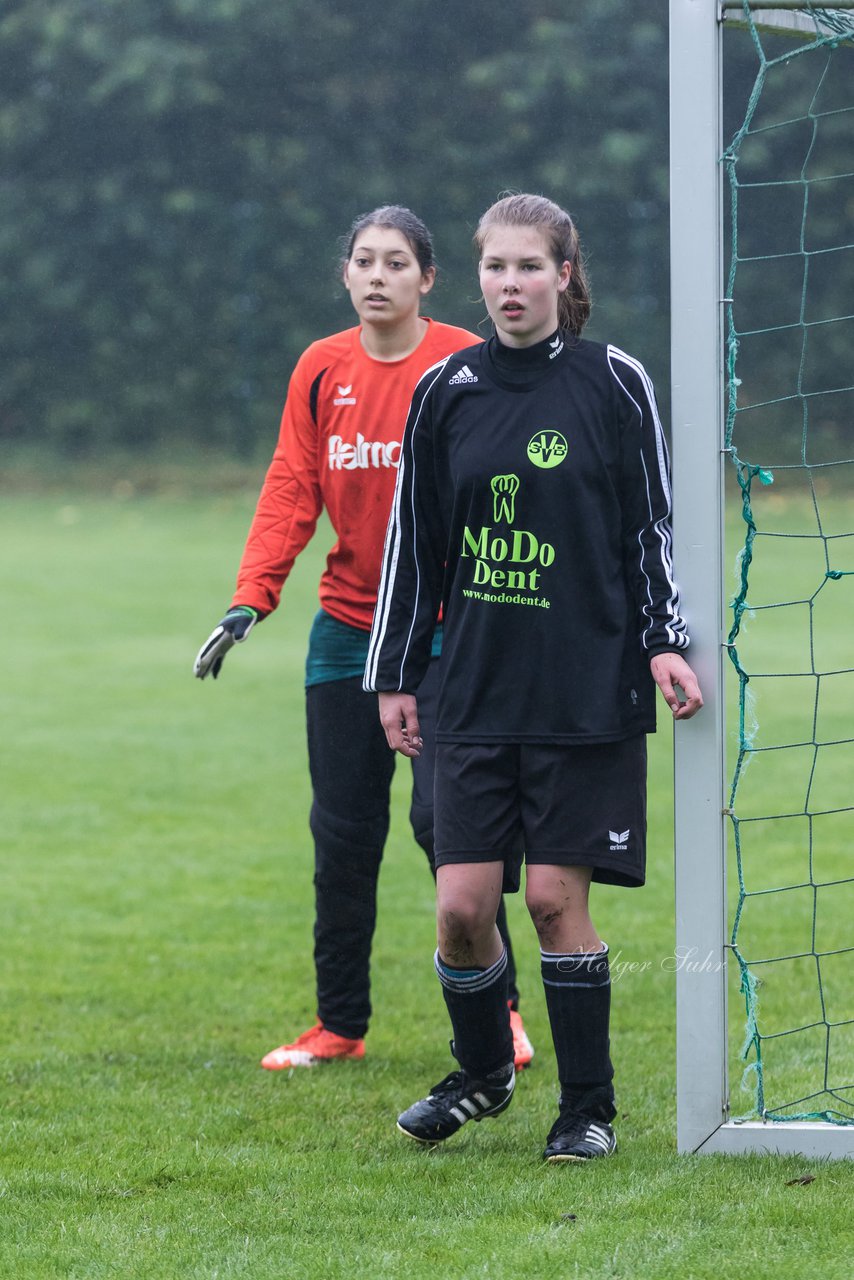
[561,806]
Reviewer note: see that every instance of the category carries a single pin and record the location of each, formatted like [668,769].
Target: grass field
[155,908]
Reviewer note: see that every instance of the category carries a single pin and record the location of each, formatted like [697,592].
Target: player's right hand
[399,719]
[233,629]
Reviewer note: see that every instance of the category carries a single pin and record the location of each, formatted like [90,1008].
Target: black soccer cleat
[578,1137]
[455,1100]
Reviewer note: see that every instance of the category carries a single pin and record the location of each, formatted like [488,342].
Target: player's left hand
[671,673]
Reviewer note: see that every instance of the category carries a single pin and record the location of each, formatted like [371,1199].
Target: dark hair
[395,217]
[559,229]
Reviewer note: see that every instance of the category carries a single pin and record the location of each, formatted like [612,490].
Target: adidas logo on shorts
[465,375]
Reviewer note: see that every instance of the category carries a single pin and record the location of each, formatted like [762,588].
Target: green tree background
[176,177]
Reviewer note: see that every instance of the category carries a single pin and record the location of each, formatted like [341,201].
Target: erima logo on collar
[465,375]
[556,347]
[344,396]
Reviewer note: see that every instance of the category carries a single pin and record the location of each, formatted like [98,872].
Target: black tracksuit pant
[351,770]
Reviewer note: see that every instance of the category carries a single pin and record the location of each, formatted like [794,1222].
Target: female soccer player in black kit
[533,503]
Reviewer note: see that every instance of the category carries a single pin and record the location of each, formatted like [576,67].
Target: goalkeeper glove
[233,629]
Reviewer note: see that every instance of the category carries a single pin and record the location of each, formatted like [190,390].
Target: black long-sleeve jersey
[533,502]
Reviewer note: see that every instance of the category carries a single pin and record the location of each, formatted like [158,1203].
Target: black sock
[578,997]
[477,1004]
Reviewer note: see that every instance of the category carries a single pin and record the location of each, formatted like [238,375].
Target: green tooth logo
[547,449]
[504,490]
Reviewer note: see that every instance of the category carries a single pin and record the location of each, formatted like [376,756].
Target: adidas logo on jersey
[619,839]
[465,375]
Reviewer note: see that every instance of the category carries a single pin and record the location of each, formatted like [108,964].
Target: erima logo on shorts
[344,396]
[364,453]
[465,375]
[619,839]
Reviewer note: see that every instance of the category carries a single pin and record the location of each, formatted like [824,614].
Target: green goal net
[789,433]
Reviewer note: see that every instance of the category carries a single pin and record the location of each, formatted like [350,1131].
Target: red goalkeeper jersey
[338,448]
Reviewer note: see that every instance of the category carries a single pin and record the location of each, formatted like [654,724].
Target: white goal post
[697,353]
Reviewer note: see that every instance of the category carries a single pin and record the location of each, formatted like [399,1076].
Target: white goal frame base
[780,1138]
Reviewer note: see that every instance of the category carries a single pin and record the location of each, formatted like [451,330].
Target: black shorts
[562,806]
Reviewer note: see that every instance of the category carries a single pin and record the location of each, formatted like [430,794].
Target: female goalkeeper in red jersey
[338,449]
